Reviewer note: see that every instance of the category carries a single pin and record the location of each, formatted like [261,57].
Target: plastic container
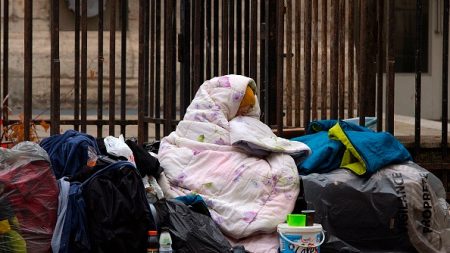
[296,220]
[165,241]
[152,241]
[309,217]
[300,239]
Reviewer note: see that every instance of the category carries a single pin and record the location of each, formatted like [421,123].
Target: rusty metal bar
[76,94]
[334,59]
[123,64]
[288,93]
[418,69]
[307,65]
[298,88]
[112,67]
[216,37]
[197,60]
[444,144]
[363,72]
[380,57]
[55,70]
[146,63]
[185,21]
[28,68]
[253,54]
[239,37]
[100,69]
[390,71]
[83,65]
[151,102]
[279,64]
[158,68]
[247,37]
[341,74]
[225,59]
[264,63]
[141,113]
[324,61]
[208,40]
[231,36]
[5,60]
[170,61]
[315,58]
[350,59]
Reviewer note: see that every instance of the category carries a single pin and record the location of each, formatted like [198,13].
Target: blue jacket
[68,152]
[339,144]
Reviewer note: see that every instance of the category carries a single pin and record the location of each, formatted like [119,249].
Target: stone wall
[41,58]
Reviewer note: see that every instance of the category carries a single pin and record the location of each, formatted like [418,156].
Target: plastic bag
[401,207]
[118,147]
[190,231]
[28,199]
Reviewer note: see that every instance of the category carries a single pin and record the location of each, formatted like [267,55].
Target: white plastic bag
[118,147]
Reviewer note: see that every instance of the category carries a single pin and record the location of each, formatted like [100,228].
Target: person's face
[243,110]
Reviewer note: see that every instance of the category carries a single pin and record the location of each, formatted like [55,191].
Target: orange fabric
[249,98]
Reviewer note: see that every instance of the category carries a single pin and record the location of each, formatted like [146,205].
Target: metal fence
[311,59]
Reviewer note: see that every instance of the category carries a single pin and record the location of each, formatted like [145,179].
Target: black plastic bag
[190,231]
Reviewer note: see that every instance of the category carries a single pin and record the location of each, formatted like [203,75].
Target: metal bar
[238,37]
[112,67]
[231,36]
[169,62]
[141,113]
[307,65]
[158,68]
[216,37]
[55,71]
[225,58]
[324,61]
[28,68]
[334,59]
[198,48]
[208,40]
[350,59]
[298,88]
[264,62]
[100,69]
[146,63]
[152,63]
[5,60]
[247,37]
[83,65]
[363,62]
[341,65]
[315,58]
[380,57]
[279,64]
[253,54]
[123,64]
[418,69]
[185,21]
[390,71]
[76,94]
[288,93]
[444,141]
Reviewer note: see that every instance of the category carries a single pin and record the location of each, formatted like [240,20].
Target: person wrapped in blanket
[10,239]
[222,151]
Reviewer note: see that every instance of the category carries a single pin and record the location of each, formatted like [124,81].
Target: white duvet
[245,174]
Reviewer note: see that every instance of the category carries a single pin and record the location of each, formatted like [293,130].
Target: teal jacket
[339,144]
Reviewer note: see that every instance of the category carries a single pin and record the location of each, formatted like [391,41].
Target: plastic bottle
[152,241]
[165,241]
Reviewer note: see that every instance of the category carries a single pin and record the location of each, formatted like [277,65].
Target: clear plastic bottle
[165,241]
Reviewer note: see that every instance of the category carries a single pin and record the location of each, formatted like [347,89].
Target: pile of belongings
[368,194]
